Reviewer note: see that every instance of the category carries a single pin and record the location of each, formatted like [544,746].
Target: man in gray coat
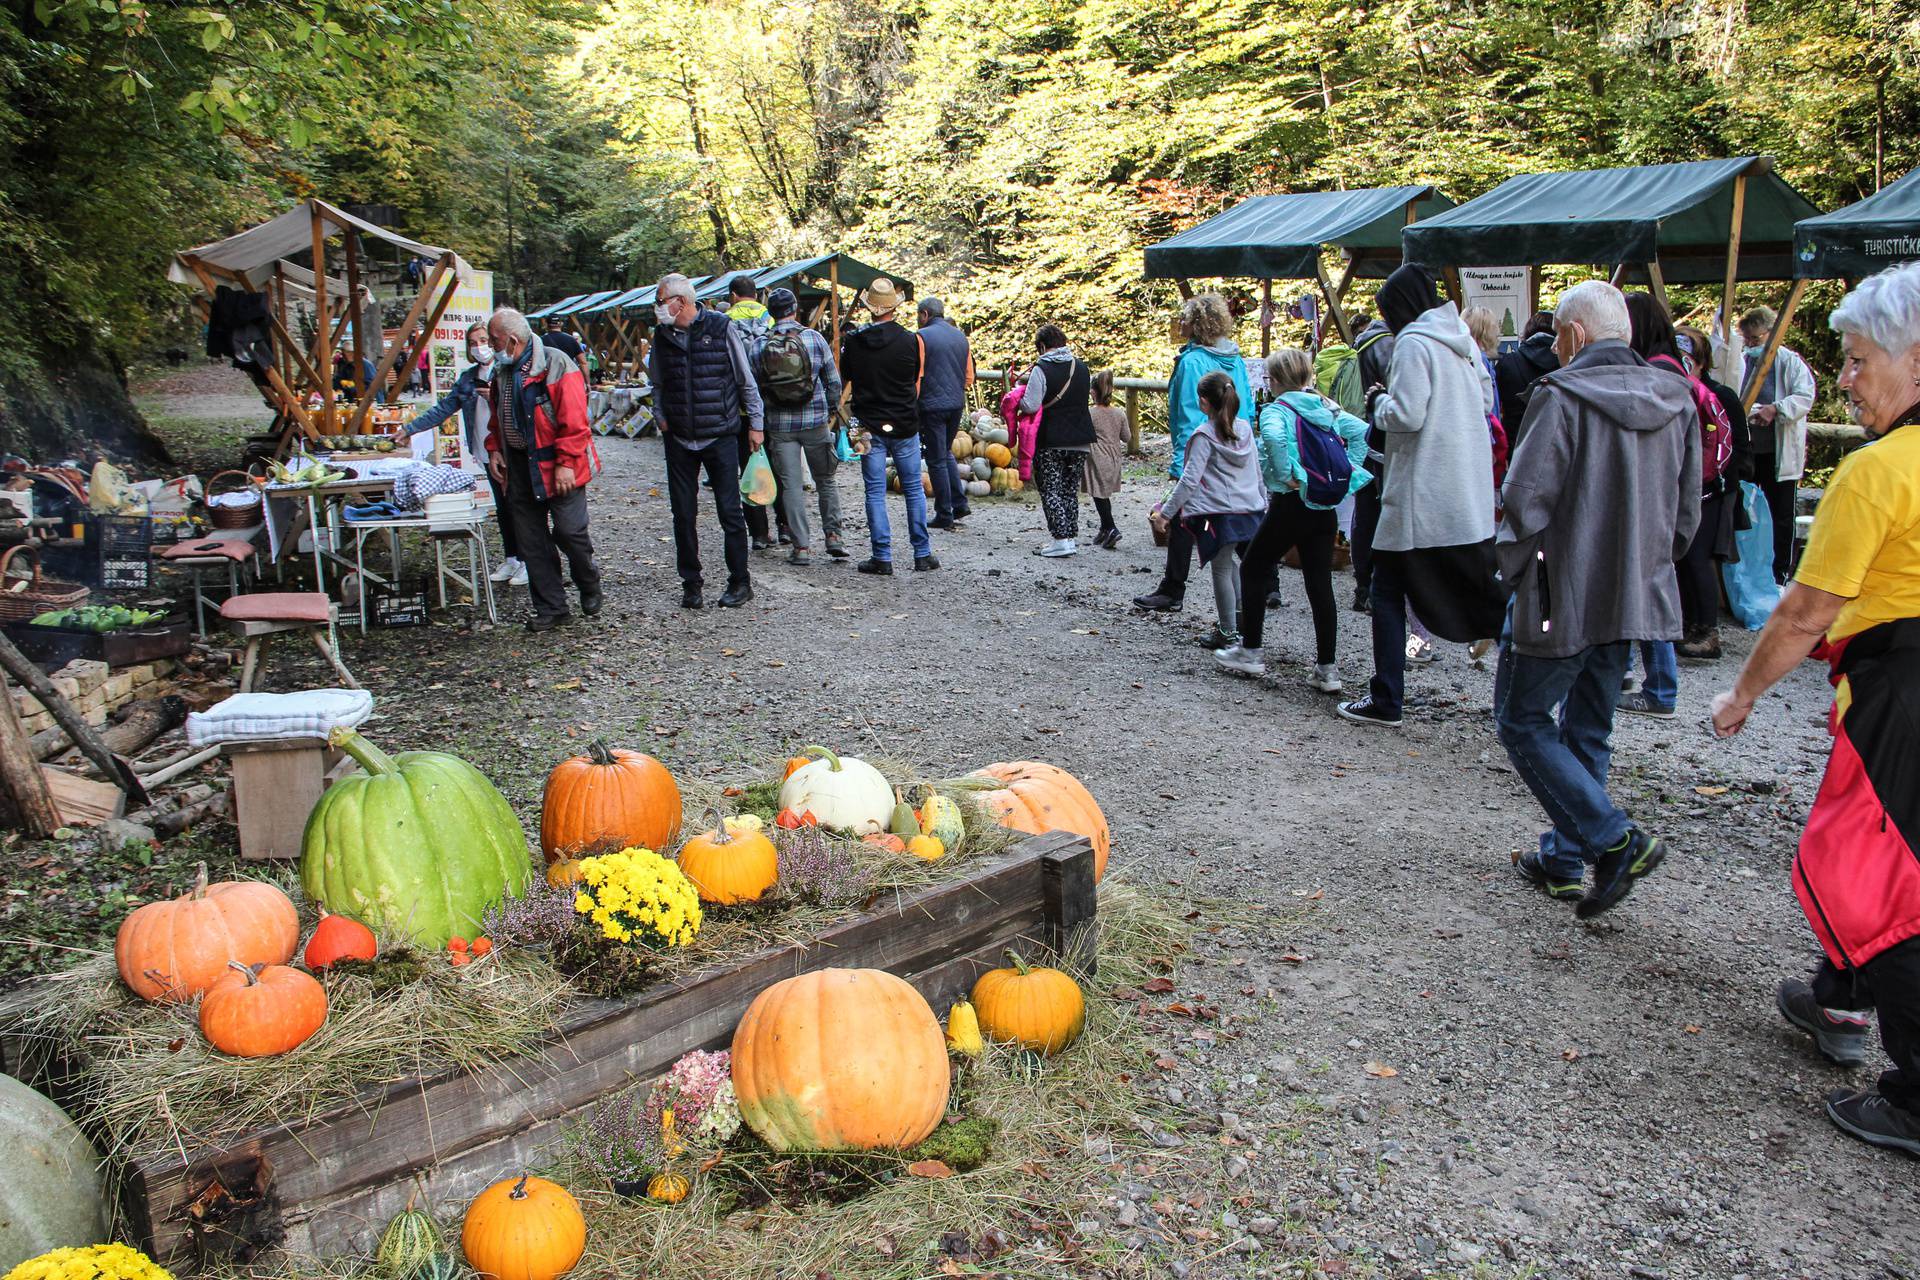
[1602,496]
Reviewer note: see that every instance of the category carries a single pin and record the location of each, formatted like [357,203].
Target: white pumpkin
[843,792]
[50,1197]
[963,446]
[998,436]
[978,488]
[982,469]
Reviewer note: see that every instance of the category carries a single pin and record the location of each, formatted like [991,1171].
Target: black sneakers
[1158,602]
[1869,1117]
[548,621]
[1527,867]
[690,598]
[736,595]
[925,564]
[1841,1041]
[1637,855]
[1367,711]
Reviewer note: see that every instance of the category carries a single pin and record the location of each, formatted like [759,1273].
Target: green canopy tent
[1282,237]
[1704,221]
[552,307]
[1862,239]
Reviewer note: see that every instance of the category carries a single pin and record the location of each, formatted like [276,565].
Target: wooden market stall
[253,275]
[1702,222]
[1283,237]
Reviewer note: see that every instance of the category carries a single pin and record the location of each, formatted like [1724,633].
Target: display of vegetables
[842,792]
[98,617]
[175,950]
[316,473]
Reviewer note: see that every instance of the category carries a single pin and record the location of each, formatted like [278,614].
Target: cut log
[141,724]
[172,824]
[82,802]
[29,801]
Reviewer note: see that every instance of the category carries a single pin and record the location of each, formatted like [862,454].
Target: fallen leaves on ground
[930,1169]
[1380,1070]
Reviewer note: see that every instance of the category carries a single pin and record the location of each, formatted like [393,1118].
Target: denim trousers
[905,452]
[938,427]
[1563,760]
[1663,671]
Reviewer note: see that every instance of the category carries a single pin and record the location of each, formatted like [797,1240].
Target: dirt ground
[1420,1066]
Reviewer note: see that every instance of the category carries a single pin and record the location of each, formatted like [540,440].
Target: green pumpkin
[982,469]
[50,1197]
[410,1242]
[418,846]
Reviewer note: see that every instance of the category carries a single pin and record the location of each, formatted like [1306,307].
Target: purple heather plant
[816,869]
[542,917]
[622,1140]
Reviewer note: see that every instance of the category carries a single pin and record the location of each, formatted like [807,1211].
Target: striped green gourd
[410,1242]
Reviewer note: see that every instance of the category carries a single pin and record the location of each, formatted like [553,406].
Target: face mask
[663,314]
[481,354]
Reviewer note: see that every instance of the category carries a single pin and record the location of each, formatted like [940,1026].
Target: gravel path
[1393,1058]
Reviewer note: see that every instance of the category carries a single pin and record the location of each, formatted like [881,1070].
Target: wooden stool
[276,783]
[234,554]
[260,617]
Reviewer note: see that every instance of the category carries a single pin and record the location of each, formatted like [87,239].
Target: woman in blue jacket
[468,399]
[1299,480]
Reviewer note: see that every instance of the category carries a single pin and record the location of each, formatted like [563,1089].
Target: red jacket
[553,397]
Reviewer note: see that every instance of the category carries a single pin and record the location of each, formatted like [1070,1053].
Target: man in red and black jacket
[540,451]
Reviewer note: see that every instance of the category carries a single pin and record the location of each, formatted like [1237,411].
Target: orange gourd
[728,865]
[606,800]
[524,1229]
[1037,798]
[840,1059]
[1030,1005]
[338,938]
[563,873]
[258,1013]
[175,950]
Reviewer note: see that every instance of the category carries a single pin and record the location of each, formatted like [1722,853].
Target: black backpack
[786,368]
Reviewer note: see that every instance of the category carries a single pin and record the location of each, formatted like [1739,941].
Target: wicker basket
[36,594]
[242,516]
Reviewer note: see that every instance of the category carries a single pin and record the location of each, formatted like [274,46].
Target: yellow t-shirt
[1865,543]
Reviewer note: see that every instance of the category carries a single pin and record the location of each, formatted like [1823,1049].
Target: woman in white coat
[1779,425]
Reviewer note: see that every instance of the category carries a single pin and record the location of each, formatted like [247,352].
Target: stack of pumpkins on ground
[985,455]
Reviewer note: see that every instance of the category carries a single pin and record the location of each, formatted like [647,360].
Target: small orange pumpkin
[1036,798]
[524,1229]
[258,1013]
[795,762]
[338,938]
[563,873]
[885,840]
[729,864]
[174,950]
[1030,1005]
[605,800]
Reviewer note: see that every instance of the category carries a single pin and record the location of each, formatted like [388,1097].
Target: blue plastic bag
[1751,589]
[842,445]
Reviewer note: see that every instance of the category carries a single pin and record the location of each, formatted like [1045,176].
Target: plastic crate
[124,545]
[401,606]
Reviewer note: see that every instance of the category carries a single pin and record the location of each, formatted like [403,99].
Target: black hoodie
[881,362]
[1514,375]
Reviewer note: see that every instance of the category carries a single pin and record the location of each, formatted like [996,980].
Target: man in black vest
[702,383]
[881,365]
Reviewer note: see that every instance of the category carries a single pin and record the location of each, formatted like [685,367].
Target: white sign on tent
[472,302]
[1503,291]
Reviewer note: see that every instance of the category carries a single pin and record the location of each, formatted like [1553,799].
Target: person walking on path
[1205,330]
[1601,498]
[1515,372]
[703,385]
[1373,356]
[469,399]
[1218,498]
[943,401]
[800,388]
[1059,389]
[1312,455]
[541,453]
[1779,425]
[881,364]
[1651,338]
[1855,601]
[1719,503]
[1112,433]
[1438,487]
[750,317]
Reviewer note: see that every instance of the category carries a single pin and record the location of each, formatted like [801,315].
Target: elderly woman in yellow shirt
[1855,601]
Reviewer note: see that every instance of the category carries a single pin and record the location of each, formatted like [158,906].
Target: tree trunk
[30,802]
[116,771]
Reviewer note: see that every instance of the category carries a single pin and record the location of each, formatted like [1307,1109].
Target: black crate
[404,605]
[122,547]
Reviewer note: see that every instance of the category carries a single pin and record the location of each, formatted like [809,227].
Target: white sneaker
[1419,650]
[519,578]
[1242,660]
[1061,547]
[508,567]
[1326,679]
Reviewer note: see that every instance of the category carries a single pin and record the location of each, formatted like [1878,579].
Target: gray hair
[512,323]
[932,308]
[674,285]
[1597,307]
[1884,309]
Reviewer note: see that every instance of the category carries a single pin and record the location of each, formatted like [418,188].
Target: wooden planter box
[327,1185]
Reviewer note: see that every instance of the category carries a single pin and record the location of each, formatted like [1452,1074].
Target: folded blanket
[258,717]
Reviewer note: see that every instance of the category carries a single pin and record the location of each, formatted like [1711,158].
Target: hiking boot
[1641,703]
[1840,1036]
[1158,602]
[836,549]
[1325,678]
[548,621]
[690,598]
[1701,646]
[1527,866]
[592,602]
[1638,854]
[870,565]
[1868,1116]
[735,596]
[1367,711]
[800,555]
[1274,601]
[925,564]
[1240,660]
[1216,639]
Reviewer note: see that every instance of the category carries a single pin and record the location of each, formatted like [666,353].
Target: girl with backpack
[1218,499]
[1312,455]
[1721,465]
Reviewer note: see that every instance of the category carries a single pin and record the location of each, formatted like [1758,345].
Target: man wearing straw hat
[882,364]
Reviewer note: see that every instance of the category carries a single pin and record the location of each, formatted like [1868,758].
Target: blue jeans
[1564,761]
[1388,591]
[1663,672]
[905,453]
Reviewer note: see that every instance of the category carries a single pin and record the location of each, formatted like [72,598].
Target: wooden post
[1185,286]
[1133,422]
[1619,276]
[833,296]
[1533,292]
[1266,317]
[392,353]
[1657,286]
[1454,288]
[1071,901]
[1735,226]
[324,358]
[353,298]
[1334,309]
[26,786]
[1772,349]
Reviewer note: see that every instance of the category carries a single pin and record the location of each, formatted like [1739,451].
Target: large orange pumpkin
[606,800]
[174,950]
[257,1015]
[1037,798]
[1030,1005]
[840,1059]
[524,1229]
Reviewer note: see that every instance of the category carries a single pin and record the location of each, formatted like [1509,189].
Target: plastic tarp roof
[1673,214]
[853,273]
[1280,237]
[581,304]
[1881,231]
[553,307]
[613,303]
[289,234]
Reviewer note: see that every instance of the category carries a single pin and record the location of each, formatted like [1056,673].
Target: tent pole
[1454,289]
[1752,390]
[1735,225]
[1657,286]
[1337,312]
[1186,288]
[1619,276]
[1266,317]
[389,360]
[353,295]
[1346,281]
[833,297]
[325,355]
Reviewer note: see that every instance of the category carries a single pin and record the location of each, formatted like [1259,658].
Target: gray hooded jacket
[1602,496]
